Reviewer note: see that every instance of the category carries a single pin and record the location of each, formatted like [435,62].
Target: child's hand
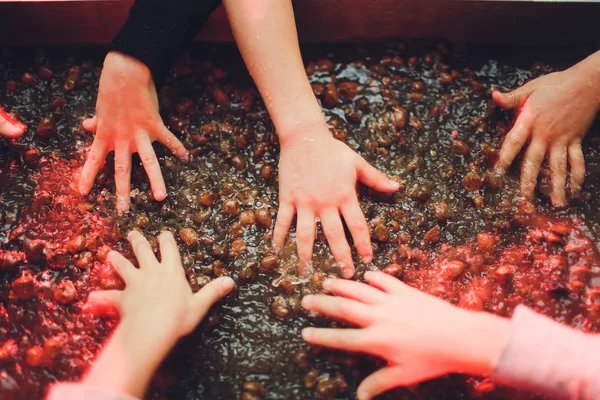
[10,128]
[421,336]
[556,112]
[157,295]
[127,122]
[317,179]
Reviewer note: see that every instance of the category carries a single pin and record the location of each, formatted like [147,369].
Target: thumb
[380,381]
[516,98]
[393,376]
[9,127]
[374,178]
[105,302]
[209,295]
[90,124]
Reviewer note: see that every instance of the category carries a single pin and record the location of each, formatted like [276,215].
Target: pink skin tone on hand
[317,174]
[10,128]
[127,122]
[157,307]
[421,336]
[555,112]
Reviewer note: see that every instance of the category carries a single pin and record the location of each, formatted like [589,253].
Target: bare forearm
[482,337]
[589,69]
[129,359]
[265,33]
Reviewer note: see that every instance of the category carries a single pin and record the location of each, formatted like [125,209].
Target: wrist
[305,131]
[481,338]
[130,357]
[157,332]
[120,65]
[588,71]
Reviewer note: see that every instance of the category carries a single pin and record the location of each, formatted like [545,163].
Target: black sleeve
[157,31]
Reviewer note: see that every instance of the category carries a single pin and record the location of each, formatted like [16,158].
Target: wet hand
[127,122]
[556,111]
[421,336]
[317,179]
[158,294]
[10,128]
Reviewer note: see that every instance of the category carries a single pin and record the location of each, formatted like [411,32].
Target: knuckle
[347,195]
[147,158]
[121,169]
[515,140]
[169,140]
[94,157]
[512,99]
[333,228]
[285,211]
[528,187]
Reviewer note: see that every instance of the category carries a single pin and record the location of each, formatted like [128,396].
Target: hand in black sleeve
[127,117]
[157,31]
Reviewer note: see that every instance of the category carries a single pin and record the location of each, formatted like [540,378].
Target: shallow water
[234,144]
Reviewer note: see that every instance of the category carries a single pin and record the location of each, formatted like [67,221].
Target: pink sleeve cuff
[78,391]
[548,358]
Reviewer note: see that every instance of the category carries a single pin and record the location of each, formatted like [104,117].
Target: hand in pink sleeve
[546,357]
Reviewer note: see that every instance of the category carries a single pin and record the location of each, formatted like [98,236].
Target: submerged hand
[421,336]
[556,111]
[317,179]
[127,122]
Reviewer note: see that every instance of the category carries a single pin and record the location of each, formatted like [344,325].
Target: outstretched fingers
[374,178]
[152,167]
[357,224]
[92,166]
[577,164]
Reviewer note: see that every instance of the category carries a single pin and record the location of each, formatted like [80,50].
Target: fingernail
[112,253]
[274,248]
[347,271]
[328,283]
[227,284]
[121,203]
[307,333]
[367,259]
[394,184]
[15,130]
[160,195]
[367,274]
[362,395]
[306,300]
